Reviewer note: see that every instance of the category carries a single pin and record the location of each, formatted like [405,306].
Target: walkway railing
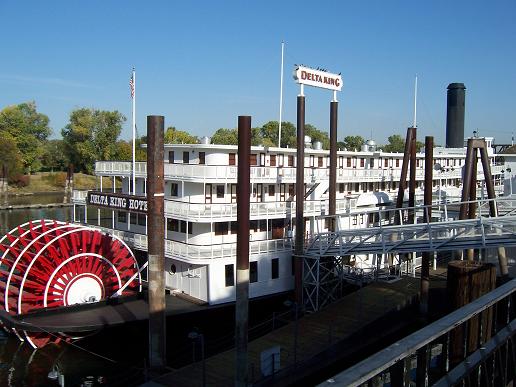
[428,356]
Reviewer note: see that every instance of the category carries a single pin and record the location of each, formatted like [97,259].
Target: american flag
[131,85]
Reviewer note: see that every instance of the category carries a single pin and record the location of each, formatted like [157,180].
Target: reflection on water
[13,218]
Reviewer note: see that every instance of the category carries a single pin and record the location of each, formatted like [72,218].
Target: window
[341,162]
[221,228]
[172,225]
[386,163]
[320,162]
[253,271]
[142,219]
[133,218]
[174,187]
[230,275]
[232,160]
[253,159]
[274,268]
[397,163]
[272,190]
[122,216]
[234,227]
[186,157]
[357,187]
[371,163]
[202,158]
[220,191]
[362,162]
[182,223]
[171,157]
[273,160]
[290,161]
[348,162]
[341,187]
[253,225]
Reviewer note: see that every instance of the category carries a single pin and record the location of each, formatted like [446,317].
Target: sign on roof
[317,78]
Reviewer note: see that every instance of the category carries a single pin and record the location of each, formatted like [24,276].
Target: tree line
[93,134]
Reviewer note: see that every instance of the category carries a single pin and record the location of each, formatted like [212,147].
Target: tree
[353,142]
[29,130]
[10,156]
[92,135]
[54,157]
[397,144]
[225,137]
[317,135]
[174,136]
[269,133]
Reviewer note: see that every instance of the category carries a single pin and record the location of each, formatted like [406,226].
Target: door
[233,193]
[259,192]
[282,192]
[207,194]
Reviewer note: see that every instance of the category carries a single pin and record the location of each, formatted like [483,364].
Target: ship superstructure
[200,207]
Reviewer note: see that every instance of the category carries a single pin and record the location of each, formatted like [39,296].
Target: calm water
[116,356]
[91,362]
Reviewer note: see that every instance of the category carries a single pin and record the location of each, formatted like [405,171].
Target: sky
[201,64]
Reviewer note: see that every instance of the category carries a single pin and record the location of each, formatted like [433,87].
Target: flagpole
[281,96]
[134,131]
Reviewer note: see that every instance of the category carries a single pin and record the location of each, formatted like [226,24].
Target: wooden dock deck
[324,335]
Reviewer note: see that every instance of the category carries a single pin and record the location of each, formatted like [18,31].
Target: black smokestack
[455,115]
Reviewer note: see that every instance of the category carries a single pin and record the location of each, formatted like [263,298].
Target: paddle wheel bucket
[51,264]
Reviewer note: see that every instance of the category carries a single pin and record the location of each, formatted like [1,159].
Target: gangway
[324,259]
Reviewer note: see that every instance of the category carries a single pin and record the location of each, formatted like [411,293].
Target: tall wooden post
[425,263]
[300,199]
[156,242]
[334,105]
[242,264]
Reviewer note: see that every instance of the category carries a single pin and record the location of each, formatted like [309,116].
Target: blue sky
[203,63]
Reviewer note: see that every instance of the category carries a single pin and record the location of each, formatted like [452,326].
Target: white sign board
[317,78]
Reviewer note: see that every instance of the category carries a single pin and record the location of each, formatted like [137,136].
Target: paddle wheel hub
[51,264]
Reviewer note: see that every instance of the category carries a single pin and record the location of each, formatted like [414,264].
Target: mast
[415,104]
[281,95]
[133,95]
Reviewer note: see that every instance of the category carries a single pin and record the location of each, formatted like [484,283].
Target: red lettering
[337,82]
[303,74]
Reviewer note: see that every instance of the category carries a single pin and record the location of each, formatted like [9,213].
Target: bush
[57,179]
[20,181]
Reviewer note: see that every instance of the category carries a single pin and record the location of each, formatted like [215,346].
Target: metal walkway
[326,264]
[447,234]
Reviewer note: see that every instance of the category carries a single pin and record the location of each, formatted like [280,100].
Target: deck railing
[227,173]
[424,357]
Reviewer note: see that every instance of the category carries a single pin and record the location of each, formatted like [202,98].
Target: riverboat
[200,207]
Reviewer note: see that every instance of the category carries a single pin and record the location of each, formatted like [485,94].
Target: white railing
[281,174]
[174,249]
[79,196]
[261,210]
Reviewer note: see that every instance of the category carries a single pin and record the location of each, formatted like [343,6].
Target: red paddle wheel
[50,264]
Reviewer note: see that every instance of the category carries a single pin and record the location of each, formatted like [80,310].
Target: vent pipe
[455,115]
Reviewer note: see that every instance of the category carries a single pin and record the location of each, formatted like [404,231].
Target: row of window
[186,157]
[253,272]
[279,160]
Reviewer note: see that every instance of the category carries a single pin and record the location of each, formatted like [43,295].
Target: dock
[356,321]
[96,316]
[33,206]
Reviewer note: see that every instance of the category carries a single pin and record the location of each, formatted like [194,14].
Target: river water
[109,358]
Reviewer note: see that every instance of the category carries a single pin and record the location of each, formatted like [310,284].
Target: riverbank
[53,182]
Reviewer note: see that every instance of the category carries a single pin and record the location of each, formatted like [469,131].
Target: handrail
[381,361]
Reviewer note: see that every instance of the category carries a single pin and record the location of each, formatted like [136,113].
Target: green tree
[10,156]
[29,129]
[353,142]
[269,133]
[225,137]
[54,157]
[92,135]
[174,136]
[397,144]
[317,135]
